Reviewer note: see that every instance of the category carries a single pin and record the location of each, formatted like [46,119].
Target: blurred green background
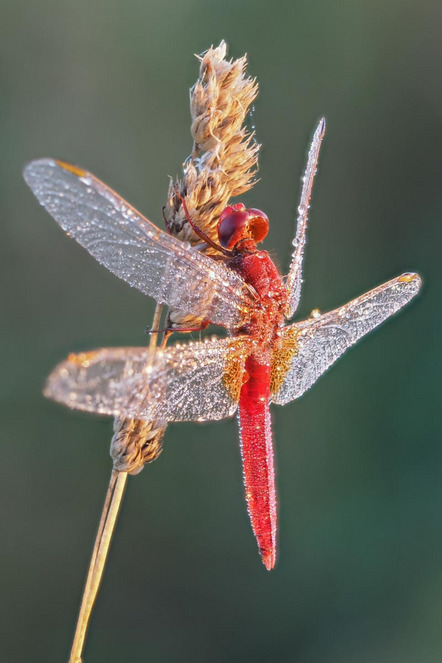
[104,84]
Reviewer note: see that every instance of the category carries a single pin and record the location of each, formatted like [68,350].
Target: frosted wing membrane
[318,342]
[130,246]
[198,381]
[294,277]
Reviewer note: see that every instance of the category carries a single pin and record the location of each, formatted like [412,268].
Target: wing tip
[409,277]
[411,281]
[322,125]
[34,167]
[56,383]
[49,387]
[35,170]
[70,167]
[31,166]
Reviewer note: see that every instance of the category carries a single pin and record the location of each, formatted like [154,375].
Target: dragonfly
[237,286]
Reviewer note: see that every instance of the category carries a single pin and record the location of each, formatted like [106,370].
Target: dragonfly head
[237,223]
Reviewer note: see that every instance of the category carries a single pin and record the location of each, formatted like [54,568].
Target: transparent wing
[197,381]
[131,247]
[313,345]
[294,277]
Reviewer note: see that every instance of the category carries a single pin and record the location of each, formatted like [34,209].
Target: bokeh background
[104,83]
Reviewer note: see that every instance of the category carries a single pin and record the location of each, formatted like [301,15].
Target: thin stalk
[112,504]
[108,519]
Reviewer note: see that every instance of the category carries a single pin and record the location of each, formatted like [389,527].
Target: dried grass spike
[135,443]
[224,158]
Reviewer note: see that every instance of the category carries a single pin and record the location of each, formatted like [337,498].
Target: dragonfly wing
[311,346]
[121,239]
[294,277]
[197,381]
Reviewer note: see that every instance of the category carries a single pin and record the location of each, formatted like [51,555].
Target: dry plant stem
[112,504]
[111,507]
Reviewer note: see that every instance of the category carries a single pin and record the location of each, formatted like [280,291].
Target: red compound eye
[239,207]
[237,223]
[259,224]
[231,228]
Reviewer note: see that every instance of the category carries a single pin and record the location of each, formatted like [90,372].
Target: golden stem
[112,504]
[106,527]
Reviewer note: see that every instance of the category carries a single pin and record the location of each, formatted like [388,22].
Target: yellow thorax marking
[234,367]
[282,358]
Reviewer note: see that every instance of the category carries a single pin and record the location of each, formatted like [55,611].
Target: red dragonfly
[262,361]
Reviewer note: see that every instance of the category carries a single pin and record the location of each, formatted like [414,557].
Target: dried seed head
[135,443]
[224,158]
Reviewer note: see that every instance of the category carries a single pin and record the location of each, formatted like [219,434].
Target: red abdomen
[257,457]
[258,269]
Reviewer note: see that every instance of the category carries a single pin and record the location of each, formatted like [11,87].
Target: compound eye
[237,223]
[258,224]
[232,227]
[239,207]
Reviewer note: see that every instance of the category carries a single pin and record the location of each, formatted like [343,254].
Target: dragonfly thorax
[237,224]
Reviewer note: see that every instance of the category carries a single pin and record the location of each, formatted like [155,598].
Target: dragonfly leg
[166,223]
[170,330]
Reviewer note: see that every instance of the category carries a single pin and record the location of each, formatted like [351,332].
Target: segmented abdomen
[257,457]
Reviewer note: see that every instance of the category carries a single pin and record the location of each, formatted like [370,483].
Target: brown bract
[135,443]
[224,158]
